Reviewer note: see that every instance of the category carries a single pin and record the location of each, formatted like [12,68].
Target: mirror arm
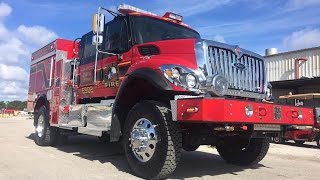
[97,40]
[111,12]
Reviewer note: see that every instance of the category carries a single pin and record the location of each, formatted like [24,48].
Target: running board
[66,127]
[91,119]
[90,131]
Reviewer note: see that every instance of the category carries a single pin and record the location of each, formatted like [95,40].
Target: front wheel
[152,141]
[245,151]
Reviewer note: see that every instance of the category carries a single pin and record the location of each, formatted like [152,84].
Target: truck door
[110,68]
[116,41]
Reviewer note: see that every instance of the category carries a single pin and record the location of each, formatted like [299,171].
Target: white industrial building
[297,73]
[304,63]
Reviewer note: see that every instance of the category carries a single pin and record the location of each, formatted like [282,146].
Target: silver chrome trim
[176,97]
[317,112]
[245,73]
[173,104]
[43,57]
[266,127]
[143,139]
[51,70]
[241,93]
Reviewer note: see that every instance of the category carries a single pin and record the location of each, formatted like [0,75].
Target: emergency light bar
[125,9]
[173,16]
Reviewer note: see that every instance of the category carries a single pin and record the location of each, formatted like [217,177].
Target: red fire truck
[303,134]
[151,83]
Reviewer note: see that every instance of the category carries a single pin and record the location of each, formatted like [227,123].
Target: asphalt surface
[83,157]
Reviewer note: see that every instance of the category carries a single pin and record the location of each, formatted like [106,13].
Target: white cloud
[37,35]
[16,46]
[13,90]
[190,7]
[305,38]
[300,4]
[5,10]
[219,38]
[12,50]
[13,73]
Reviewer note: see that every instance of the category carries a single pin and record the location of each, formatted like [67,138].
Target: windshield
[147,29]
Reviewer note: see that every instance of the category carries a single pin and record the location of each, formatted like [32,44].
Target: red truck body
[46,75]
[300,136]
[168,90]
[218,110]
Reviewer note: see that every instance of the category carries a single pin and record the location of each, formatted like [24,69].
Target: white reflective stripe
[43,57]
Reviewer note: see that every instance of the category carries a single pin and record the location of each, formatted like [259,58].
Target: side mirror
[97,39]
[98,23]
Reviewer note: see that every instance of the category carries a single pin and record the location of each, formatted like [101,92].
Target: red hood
[177,51]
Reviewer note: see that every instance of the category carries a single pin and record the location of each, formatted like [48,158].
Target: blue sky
[26,25]
[253,24]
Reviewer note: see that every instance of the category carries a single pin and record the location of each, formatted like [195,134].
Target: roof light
[173,16]
[125,9]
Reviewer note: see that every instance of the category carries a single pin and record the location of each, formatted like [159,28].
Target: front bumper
[230,111]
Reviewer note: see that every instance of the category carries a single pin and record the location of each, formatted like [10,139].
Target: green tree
[2,105]
[18,105]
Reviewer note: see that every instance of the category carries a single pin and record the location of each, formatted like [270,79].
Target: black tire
[318,143]
[49,133]
[299,142]
[190,147]
[243,152]
[168,148]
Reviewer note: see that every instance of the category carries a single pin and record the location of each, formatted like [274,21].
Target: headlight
[191,81]
[218,85]
[184,77]
[175,73]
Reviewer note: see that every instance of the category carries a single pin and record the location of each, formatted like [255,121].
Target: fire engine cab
[151,83]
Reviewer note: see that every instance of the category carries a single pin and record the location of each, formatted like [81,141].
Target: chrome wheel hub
[40,126]
[143,140]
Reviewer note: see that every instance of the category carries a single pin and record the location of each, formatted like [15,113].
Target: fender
[41,101]
[149,75]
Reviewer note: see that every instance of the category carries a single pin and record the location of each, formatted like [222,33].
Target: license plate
[266,127]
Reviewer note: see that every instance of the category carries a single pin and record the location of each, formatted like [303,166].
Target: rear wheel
[45,135]
[152,141]
[243,151]
[299,142]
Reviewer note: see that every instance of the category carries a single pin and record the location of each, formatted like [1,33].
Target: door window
[116,36]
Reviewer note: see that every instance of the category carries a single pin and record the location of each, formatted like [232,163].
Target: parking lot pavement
[83,157]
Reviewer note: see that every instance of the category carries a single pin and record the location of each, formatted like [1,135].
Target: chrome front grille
[244,72]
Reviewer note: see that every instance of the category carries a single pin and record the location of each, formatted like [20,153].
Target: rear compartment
[45,70]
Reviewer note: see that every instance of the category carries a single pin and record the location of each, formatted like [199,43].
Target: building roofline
[288,52]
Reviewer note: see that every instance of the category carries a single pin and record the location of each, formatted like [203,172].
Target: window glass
[148,29]
[116,36]
[89,49]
